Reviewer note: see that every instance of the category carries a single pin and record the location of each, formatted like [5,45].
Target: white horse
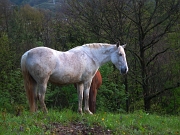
[76,66]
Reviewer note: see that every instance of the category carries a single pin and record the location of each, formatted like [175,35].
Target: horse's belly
[64,79]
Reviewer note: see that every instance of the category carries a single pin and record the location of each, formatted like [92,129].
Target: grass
[138,123]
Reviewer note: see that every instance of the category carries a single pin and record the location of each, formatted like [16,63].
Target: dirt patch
[77,128]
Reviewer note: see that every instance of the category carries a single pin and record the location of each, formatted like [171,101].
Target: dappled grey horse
[76,66]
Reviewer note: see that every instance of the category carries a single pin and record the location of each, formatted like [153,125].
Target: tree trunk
[147,103]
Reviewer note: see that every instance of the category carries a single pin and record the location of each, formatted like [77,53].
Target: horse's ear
[117,44]
[124,46]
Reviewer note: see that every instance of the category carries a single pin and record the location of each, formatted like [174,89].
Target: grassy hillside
[68,122]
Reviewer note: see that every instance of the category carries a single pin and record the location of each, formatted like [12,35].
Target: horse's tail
[29,84]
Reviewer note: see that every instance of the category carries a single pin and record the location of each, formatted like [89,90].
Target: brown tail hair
[29,84]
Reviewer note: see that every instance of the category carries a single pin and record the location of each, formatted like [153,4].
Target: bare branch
[157,54]
[162,91]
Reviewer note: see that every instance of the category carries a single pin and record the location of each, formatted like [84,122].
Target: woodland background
[149,27]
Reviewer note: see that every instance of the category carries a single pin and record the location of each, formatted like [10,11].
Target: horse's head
[119,59]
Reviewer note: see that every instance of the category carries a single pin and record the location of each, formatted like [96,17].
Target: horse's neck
[102,55]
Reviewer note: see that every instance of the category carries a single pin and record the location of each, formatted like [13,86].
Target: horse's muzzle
[124,70]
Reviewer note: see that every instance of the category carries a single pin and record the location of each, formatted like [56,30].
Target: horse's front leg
[80,96]
[86,97]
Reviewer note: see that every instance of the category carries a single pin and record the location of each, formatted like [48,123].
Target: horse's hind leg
[42,91]
[33,102]
[35,96]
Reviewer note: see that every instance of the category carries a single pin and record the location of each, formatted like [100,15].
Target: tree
[151,21]
[5,14]
[102,18]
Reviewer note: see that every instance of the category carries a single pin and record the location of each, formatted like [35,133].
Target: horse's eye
[120,54]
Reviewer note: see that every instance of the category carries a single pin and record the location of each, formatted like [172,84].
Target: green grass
[138,123]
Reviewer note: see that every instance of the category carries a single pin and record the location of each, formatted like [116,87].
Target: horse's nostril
[123,70]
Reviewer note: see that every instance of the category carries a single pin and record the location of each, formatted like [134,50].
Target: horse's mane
[96,45]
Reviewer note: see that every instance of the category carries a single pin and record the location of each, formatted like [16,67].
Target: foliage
[111,95]
[12,95]
[11,84]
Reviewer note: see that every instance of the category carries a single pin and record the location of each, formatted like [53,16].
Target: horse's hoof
[89,112]
[80,112]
